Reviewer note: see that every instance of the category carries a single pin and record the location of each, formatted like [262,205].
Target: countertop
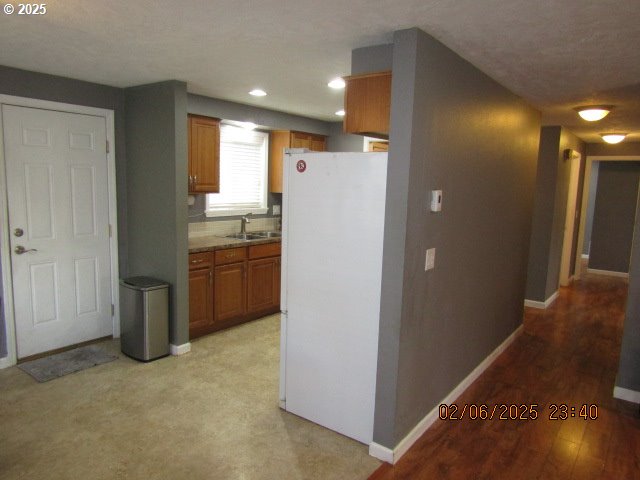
[209,243]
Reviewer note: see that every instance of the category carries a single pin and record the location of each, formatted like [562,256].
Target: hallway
[567,354]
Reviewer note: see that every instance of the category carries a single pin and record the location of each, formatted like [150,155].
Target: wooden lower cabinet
[232,286]
[263,286]
[200,293]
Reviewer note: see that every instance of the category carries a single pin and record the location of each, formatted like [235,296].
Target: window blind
[243,164]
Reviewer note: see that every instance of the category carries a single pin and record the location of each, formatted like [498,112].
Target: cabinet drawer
[200,260]
[230,255]
[264,250]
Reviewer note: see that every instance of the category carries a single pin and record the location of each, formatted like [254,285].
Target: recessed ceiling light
[593,113]
[256,92]
[613,137]
[336,83]
[340,113]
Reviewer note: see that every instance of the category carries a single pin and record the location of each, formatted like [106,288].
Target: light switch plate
[276,209]
[436,200]
[430,260]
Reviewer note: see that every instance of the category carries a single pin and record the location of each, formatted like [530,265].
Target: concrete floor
[209,414]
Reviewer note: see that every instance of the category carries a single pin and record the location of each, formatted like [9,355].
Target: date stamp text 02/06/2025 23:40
[505,411]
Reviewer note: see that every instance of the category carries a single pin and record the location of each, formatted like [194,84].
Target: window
[243,173]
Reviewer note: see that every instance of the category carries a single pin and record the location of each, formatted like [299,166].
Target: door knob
[18,232]
[20,250]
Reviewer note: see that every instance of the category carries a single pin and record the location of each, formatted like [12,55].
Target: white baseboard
[6,362]
[626,394]
[180,349]
[383,453]
[392,456]
[545,304]
[608,272]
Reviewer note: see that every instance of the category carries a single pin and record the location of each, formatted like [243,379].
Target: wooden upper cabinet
[204,154]
[281,139]
[378,146]
[367,102]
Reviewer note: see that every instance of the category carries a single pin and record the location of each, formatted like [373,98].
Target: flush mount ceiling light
[613,138]
[340,113]
[257,92]
[593,113]
[336,83]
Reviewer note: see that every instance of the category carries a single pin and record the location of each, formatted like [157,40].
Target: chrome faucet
[243,223]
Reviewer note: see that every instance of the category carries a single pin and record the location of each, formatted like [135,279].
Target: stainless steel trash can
[144,318]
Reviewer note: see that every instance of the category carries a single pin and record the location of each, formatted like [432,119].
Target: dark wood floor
[567,354]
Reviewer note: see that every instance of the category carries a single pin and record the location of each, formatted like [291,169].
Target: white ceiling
[557,54]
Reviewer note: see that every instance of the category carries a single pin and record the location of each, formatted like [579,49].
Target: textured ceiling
[557,54]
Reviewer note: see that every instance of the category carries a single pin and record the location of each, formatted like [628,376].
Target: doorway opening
[584,256]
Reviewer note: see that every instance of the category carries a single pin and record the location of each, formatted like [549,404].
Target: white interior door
[58,205]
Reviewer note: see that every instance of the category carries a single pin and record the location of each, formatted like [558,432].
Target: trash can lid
[144,282]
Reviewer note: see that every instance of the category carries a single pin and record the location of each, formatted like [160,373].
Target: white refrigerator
[332,236]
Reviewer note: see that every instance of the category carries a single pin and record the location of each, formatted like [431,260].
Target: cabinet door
[367,101]
[378,146]
[204,154]
[278,141]
[318,143]
[300,140]
[200,298]
[230,291]
[262,292]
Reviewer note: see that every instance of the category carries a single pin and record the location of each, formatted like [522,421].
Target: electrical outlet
[430,259]
[276,209]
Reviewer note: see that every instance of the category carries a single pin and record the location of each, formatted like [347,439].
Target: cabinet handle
[197,261]
[195,180]
[190,182]
[230,255]
[210,277]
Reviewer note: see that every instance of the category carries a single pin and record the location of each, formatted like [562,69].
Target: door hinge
[113,309]
[108,149]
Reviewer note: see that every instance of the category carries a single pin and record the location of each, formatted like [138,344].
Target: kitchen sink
[245,236]
[255,235]
[269,234]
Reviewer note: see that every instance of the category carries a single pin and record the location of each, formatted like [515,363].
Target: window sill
[235,212]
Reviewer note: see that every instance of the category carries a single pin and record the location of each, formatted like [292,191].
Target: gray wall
[452,128]
[604,149]
[156,128]
[591,202]
[213,107]
[629,366]
[23,83]
[550,208]
[339,141]
[377,58]
[614,216]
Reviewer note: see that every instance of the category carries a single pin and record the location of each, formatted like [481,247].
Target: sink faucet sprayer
[243,222]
